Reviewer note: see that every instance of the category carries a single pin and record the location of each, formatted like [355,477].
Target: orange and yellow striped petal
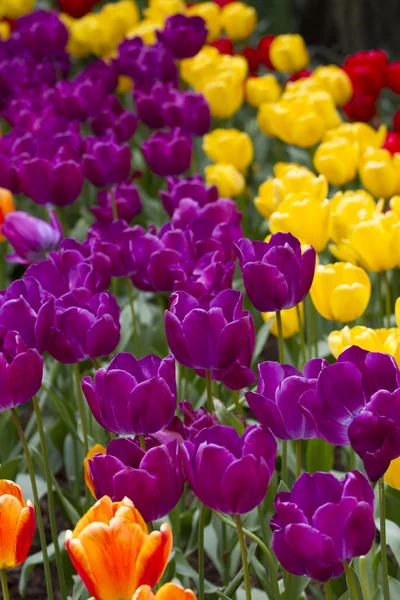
[154,556]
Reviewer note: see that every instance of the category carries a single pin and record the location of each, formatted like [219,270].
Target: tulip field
[199,306]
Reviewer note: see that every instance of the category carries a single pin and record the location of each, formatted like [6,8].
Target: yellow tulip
[201,67]
[347,209]
[125,84]
[288,53]
[337,159]
[394,204]
[304,216]
[211,13]
[289,178]
[336,82]
[146,30]
[299,126]
[14,9]
[160,10]
[229,181]
[364,337]
[290,321]
[392,344]
[397,312]
[229,146]
[340,291]
[262,89]
[380,172]
[224,96]
[365,135]
[124,12]
[392,475]
[238,20]
[5,31]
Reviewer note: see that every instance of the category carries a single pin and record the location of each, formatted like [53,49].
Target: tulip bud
[211,13]
[238,20]
[392,475]
[337,159]
[262,89]
[17,527]
[229,146]
[288,53]
[336,82]
[364,337]
[380,172]
[229,181]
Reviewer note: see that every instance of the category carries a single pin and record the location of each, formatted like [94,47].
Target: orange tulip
[6,206]
[169,591]
[17,525]
[113,553]
[96,449]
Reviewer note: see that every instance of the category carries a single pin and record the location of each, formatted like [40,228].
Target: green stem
[364,579]
[301,335]
[379,277]
[388,300]
[180,382]
[209,392]
[352,459]
[142,442]
[284,467]
[202,522]
[50,499]
[328,591]
[238,406]
[38,511]
[4,585]
[315,329]
[262,546]
[280,337]
[60,212]
[136,346]
[309,325]
[298,458]
[225,555]
[351,584]
[114,205]
[382,506]
[81,407]
[243,552]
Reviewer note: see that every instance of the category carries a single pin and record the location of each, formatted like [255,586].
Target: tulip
[364,337]
[127,200]
[228,180]
[85,326]
[347,209]
[260,90]
[276,402]
[76,8]
[340,291]
[113,553]
[367,71]
[190,112]
[41,31]
[160,10]
[240,467]
[210,13]
[362,107]
[17,527]
[183,36]
[144,64]
[224,95]
[5,31]
[264,51]
[113,119]
[153,480]
[238,20]
[30,237]
[106,162]
[169,591]
[96,449]
[297,214]
[337,159]
[288,53]
[227,354]
[336,82]
[191,187]
[142,394]
[11,9]
[290,321]
[289,178]
[229,146]
[223,45]
[323,522]
[380,173]
[344,389]
[361,133]
[279,261]
[392,475]
[168,152]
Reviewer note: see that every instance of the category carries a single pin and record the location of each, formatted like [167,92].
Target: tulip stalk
[209,392]
[382,507]
[81,407]
[328,590]
[364,579]
[50,499]
[301,335]
[38,511]
[243,551]
[351,584]
[4,585]
[388,300]
[133,317]
[282,361]
[202,522]
[298,458]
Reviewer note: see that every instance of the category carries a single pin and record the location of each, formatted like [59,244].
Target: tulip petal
[25,533]
[265,286]
[241,496]
[153,557]
[10,511]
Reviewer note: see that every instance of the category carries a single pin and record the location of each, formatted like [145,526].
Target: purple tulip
[323,522]
[30,237]
[43,33]
[230,473]
[160,260]
[276,274]
[21,370]
[210,276]
[168,152]
[133,396]
[191,187]
[113,119]
[225,330]
[114,241]
[84,327]
[73,266]
[153,480]
[106,162]
[28,310]
[147,64]
[127,202]
[153,101]
[190,112]
[344,388]
[195,420]
[183,36]
[375,433]
[276,402]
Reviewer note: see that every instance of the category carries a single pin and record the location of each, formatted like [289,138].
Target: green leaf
[261,340]
[36,559]
[225,417]
[24,481]
[394,587]
[282,487]
[319,456]
[9,469]
[392,537]
[79,591]
[295,586]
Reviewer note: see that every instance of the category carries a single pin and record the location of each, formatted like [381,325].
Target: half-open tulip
[169,591]
[336,82]
[229,146]
[113,553]
[337,159]
[380,172]
[17,525]
[288,53]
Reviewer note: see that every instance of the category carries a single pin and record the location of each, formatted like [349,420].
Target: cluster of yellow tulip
[14,9]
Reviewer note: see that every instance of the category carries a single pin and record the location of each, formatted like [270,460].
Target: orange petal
[171,591]
[101,512]
[128,513]
[10,510]
[143,593]
[154,556]
[96,449]
[25,533]
[80,562]
[11,488]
